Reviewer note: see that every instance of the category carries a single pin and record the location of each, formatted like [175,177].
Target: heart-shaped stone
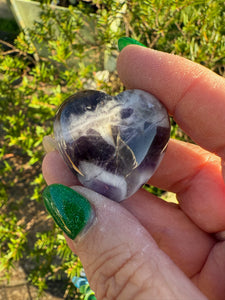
[112,144]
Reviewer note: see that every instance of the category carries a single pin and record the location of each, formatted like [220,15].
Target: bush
[34,83]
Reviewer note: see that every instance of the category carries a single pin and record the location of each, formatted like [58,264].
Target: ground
[19,289]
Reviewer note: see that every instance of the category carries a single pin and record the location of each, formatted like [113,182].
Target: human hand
[144,247]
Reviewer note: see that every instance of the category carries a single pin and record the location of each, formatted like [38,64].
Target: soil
[33,216]
[18,288]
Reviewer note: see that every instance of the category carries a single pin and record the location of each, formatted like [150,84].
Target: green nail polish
[71,211]
[125,41]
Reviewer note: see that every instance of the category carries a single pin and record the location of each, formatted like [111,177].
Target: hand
[146,248]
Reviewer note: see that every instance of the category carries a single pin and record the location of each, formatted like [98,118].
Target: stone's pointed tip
[125,41]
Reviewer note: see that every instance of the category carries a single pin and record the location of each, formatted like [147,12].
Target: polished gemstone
[112,144]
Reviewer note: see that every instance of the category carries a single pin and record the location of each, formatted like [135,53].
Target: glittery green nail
[71,211]
[125,41]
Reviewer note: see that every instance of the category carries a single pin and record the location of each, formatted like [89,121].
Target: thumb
[120,258]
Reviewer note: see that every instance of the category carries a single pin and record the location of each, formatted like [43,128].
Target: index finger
[194,95]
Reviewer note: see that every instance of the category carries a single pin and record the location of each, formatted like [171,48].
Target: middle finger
[195,176]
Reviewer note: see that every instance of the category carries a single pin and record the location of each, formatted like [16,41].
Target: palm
[195,97]
[185,232]
[178,230]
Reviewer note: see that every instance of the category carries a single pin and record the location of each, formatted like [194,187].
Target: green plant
[33,83]
[8,26]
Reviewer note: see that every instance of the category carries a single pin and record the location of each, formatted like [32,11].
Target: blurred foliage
[8,26]
[60,55]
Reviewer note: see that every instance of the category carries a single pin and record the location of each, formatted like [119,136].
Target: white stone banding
[113,144]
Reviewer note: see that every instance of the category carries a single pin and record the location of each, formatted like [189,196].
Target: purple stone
[112,144]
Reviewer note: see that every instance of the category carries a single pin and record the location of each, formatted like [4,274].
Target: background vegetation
[33,83]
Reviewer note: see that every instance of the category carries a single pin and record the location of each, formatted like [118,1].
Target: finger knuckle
[115,274]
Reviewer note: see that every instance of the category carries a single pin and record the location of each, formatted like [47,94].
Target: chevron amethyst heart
[112,144]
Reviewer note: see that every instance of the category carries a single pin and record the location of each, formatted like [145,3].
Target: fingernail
[49,143]
[71,211]
[125,41]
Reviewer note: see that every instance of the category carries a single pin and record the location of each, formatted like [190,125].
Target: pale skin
[146,248]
